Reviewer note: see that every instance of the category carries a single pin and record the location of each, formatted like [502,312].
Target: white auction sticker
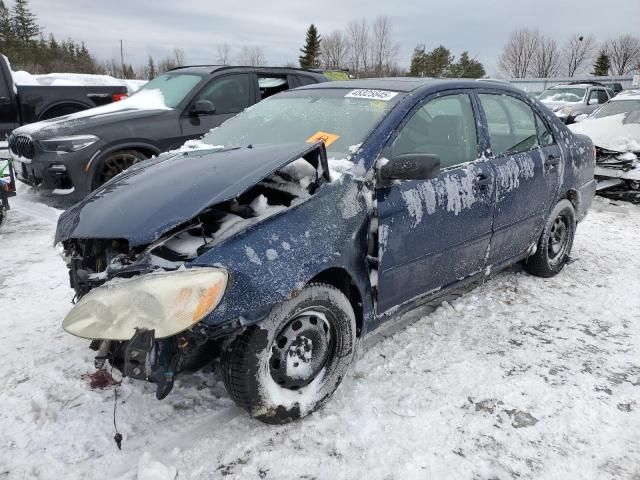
[371,94]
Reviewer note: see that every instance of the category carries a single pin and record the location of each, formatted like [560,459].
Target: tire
[3,215]
[278,375]
[115,163]
[555,242]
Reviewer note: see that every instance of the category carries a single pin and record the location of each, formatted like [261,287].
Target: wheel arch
[341,279]
[574,197]
[146,148]
[77,106]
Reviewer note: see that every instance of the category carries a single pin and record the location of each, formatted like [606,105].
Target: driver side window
[229,94]
[444,126]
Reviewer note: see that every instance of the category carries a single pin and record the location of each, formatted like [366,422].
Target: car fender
[273,260]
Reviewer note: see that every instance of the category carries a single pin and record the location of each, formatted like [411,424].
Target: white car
[615,131]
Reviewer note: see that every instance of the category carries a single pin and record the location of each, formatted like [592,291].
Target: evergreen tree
[466,67]
[25,25]
[602,65]
[151,68]
[6,28]
[418,62]
[310,57]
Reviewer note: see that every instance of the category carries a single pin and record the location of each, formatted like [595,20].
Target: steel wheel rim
[558,238]
[116,164]
[301,348]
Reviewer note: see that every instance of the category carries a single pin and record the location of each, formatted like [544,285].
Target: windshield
[616,107]
[563,94]
[342,118]
[172,86]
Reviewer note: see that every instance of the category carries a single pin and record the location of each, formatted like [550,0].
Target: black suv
[76,153]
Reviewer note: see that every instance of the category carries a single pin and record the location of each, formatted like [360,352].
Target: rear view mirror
[203,107]
[592,101]
[580,118]
[409,166]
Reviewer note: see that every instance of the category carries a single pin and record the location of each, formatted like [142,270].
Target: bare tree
[518,53]
[334,48]
[251,56]
[384,50]
[578,53]
[178,55]
[360,43]
[546,59]
[624,54]
[224,53]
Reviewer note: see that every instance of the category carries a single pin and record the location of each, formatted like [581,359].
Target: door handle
[482,181]
[552,160]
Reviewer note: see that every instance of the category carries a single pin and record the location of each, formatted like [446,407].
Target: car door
[526,160]
[433,233]
[230,94]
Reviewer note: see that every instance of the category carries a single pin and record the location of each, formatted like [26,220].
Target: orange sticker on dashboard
[326,138]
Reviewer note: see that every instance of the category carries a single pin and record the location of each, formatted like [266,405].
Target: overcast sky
[157,26]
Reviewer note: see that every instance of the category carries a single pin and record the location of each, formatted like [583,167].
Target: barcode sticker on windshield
[368,94]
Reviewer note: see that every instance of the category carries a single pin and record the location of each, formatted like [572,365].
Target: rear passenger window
[305,80]
[444,126]
[270,85]
[511,124]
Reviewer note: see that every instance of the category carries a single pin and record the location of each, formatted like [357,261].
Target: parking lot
[519,378]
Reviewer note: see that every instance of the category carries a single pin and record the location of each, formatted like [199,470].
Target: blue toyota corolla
[287,235]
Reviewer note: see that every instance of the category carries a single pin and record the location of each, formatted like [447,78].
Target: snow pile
[520,378]
[614,132]
[76,80]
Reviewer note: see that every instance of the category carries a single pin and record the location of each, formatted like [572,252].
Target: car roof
[208,69]
[411,84]
[627,95]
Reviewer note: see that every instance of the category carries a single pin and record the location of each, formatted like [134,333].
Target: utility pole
[122,60]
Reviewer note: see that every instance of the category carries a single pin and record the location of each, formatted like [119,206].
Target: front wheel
[115,163]
[3,215]
[290,364]
[554,245]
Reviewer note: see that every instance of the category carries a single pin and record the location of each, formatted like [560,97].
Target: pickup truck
[23,104]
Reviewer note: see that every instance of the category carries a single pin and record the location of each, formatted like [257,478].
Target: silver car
[569,101]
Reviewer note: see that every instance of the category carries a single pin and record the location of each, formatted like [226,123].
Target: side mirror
[580,118]
[592,101]
[203,107]
[409,166]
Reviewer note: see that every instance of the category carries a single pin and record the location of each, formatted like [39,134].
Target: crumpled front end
[618,175]
[143,303]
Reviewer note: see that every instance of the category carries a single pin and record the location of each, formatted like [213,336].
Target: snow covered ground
[519,378]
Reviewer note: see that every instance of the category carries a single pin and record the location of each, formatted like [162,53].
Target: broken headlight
[72,143]
[165,302]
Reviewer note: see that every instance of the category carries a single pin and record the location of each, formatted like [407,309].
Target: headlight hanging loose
[168,302]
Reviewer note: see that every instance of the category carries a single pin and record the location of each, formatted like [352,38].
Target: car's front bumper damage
[618,175]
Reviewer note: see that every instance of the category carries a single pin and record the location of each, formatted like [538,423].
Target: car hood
[141,105]
[618,133]
[152,197]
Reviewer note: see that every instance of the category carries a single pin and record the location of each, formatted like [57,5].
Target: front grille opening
[22,146]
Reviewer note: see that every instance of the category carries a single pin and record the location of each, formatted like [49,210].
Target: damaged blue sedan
[289,234]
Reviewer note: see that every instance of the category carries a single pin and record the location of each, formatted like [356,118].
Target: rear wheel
[115,163]
[554,245]
[3,215]
[290,364]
